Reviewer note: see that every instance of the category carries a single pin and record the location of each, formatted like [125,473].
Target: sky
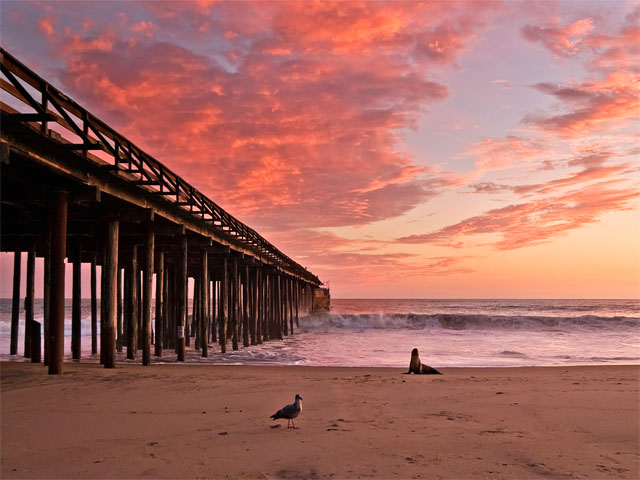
[438,149]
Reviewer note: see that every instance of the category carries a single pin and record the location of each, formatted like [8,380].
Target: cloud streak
[538,221]
[605,102]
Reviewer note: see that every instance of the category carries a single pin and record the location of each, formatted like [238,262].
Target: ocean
[448,333]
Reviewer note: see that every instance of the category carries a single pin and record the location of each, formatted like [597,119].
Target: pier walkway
[73,187]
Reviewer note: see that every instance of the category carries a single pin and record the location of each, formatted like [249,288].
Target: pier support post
[264,304]
[245,307]
[167,306]
[191,327]
[15,304]
[159,307]
[28,301]
[146,306]
[214,302]
[253,303]
[182,299]
[94,305]
[283,304]
[290,301]
[119,323]
[270,295]
[233,305]
[76,307]
[56,309]
[47,292]
[222,299]
[138,330]
[131,302]
[259,305]
[279,305]
[111,301]
[103,301]
[204,303]
[296,295]
[35,342]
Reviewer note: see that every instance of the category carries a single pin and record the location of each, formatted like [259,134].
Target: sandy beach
[189,421]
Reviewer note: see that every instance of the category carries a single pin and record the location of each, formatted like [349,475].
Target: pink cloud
[144,28]
[593,105]
[604,102]
[594,168]
[499,154]
[537,221]
[46,26]
[304,136]
[563,41]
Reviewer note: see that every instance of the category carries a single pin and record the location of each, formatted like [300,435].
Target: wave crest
[466,322]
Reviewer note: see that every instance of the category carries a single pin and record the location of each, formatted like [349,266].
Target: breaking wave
[456,321]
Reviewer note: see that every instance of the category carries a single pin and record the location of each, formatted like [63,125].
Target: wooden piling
[270,295]
[47,291]
[182,299]
[76,307]
[111,301]
[214,302]
[146,292]
[35,353]
[192,330]
[222,324]
[29,300]
[15,304]
[253,304]
[120,339]
[103,300]
[297,301]
[234,304]
[290,301]
[94,306]
[245,307]
[283,304]
[58,251]
[131,302]
[259,305]
[172,285]
[204,317]
[159,317]
[138,330]
[167,306]
[276,308]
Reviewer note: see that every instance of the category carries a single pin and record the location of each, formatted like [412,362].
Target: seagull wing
[288,411]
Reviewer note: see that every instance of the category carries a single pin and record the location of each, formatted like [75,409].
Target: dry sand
[193,421]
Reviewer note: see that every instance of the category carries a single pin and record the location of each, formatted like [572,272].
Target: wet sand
[204,421]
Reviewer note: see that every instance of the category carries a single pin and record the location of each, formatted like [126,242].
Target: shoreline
[177,421]
[192,357]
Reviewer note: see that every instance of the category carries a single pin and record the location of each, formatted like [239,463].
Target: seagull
[289,411]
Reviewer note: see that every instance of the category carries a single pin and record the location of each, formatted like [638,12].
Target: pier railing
[35,102]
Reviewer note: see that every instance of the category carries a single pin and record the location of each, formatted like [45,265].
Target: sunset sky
[396,149]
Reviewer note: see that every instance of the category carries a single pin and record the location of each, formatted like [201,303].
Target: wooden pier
[72,187]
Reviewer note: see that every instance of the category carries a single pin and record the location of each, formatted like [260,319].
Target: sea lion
[417,367]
